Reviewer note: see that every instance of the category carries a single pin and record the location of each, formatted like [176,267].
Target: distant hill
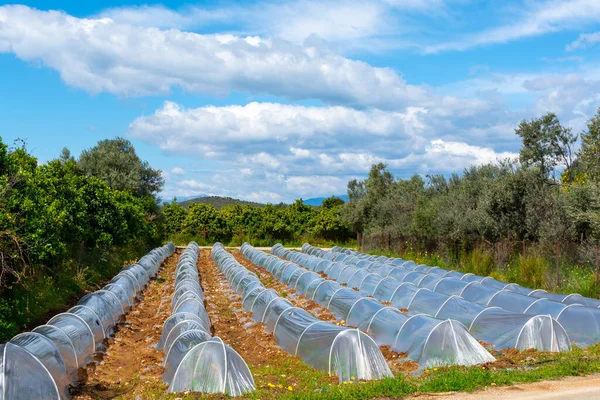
[219,202]
[317,201]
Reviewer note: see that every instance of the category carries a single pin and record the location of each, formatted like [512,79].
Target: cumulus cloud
[300,151]
[468,154]
[178,171]
[101,55]
[211,130]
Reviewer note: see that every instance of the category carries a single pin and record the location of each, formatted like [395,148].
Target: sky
[271,101]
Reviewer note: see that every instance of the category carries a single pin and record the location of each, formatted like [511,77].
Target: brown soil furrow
[396,361]
[131,365]
[284,290]
[268,363]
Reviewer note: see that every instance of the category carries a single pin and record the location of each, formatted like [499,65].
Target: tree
[332,202]
[174,216]
[326,224]
[65,155]
[589,154]
[546,144]
[116,163]
[206,222]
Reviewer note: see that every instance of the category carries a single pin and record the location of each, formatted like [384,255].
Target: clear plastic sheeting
[415,291]
[43,363]
[194,360]
[213,367]
[24,377]
[580,321]
[426,340]
[341,351]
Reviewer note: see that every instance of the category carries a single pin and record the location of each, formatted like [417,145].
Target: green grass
[307,383]
[531,271]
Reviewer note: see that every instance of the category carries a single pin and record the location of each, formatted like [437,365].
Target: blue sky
[270,101]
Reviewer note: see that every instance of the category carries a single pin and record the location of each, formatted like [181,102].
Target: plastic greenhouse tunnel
[426,340]
[580,321]
[492,325]
[41,364]
[194,360]
[344,352]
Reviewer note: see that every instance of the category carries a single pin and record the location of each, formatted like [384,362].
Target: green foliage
[220,202]
[332,202]
[174,216]
[464,218]
[205,221]
[236,223]
[589,154]
[531,270]
[52,216]
[546,143]
[116,163]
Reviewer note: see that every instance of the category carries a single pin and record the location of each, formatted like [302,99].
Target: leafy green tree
[327,224]
[546,143]
[298,215]
[589,153]
[332,202]
[205,221]
[116,163]
[174,217]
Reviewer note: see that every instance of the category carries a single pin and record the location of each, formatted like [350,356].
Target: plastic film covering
[340,351]
[578,316]
[498,327]
[43,363]
[426,340]
[24,377]
[194,360]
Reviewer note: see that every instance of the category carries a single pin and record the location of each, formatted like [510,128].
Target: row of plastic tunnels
[436,317]
[501,314]
[43,363]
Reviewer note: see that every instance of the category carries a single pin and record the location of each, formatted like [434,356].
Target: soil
[395,360]
[236,328]
[130,360]
[296,299]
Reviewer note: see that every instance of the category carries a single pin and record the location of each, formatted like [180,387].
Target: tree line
[542,203]
[266,225]
[69,223]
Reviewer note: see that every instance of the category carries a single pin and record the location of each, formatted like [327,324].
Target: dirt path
[272,368]
[571,388]
[130,366]
[396,361]
[283,290]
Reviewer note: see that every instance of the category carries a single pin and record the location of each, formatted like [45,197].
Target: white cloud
[100,55]
[542,17]
[210,130]
[300,151]
[584,40]
[178,171]
[335,21]
[159,16]
[439,149]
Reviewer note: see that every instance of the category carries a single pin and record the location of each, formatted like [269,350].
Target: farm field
[132,369]
[300,199]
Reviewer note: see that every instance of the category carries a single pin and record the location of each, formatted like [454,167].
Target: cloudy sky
[272,101]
